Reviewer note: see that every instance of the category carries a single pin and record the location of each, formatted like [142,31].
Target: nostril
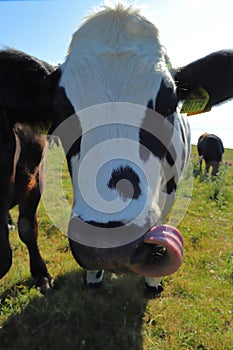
[126,182]
[125,188]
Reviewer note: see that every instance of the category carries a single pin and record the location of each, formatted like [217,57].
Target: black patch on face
[74,150]
[183,159]
[169,159]
[171,185]
[150,105]
[147,136]
[166,101]
[171,155]
[73,131]
[126,182]
[110,224]
[182,135]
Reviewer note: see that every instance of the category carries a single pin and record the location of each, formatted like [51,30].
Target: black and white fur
[116,56]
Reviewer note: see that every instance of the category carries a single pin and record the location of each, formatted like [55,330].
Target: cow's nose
[126,182]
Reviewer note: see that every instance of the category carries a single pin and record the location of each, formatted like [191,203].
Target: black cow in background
[210,148]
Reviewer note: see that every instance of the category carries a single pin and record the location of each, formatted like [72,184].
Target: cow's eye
[166,101]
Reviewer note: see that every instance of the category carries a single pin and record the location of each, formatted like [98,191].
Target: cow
[115,104]
[22,178]
[21,162]
[210,148]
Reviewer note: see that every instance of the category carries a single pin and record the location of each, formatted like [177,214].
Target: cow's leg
[207,167]
[7,169]
[28,232]
[5,249]
[215,167]
[201,159]
[10,222]
[94,277]
[153,287]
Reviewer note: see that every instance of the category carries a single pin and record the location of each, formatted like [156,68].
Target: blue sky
[189,29]
[42,28]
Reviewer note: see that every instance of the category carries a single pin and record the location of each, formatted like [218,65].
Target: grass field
[194,312]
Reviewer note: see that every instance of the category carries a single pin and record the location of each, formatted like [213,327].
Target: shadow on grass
[77,317]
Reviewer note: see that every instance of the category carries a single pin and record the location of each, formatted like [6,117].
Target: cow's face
[128,151]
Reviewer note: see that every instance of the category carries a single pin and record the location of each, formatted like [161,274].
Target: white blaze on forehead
[115,56]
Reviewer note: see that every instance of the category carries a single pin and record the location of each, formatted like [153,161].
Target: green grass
[194,312]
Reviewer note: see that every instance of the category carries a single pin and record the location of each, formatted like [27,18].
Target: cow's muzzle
[160,254]
[157,253]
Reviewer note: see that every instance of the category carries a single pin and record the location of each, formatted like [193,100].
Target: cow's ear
[206,82]
[27,86]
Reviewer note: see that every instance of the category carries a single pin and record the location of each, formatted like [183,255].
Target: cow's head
[125,142]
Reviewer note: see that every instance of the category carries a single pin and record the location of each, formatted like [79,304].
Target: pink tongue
[166,236]
[171,239]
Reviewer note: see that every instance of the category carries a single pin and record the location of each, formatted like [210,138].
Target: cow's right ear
[205,82]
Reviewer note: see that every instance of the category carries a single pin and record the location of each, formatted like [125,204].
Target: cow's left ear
[206,82]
